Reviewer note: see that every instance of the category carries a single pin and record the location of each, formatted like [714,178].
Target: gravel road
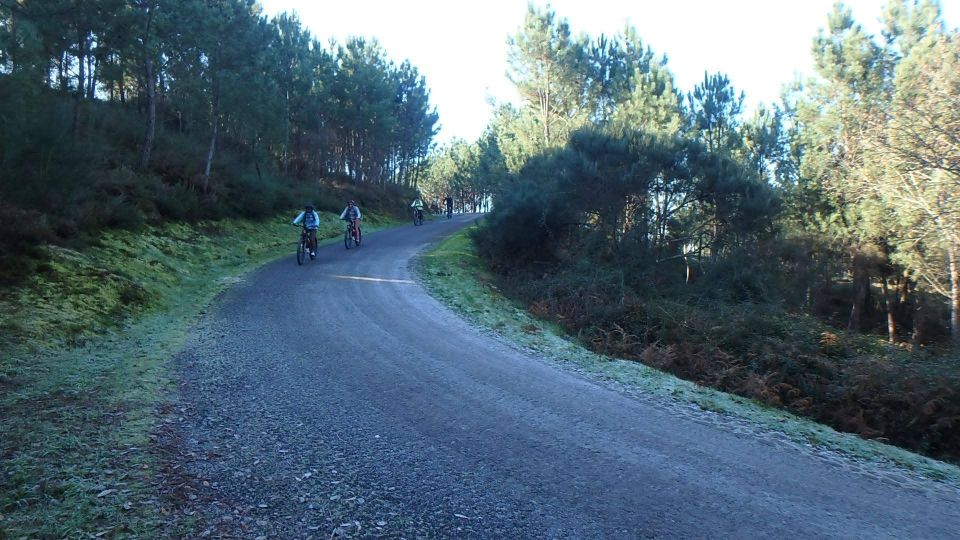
[338,399]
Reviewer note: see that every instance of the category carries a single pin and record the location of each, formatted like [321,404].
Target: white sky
[460,47]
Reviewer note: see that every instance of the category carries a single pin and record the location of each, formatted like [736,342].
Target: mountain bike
[352,235]
[417,217]
[449,212]
[304,246]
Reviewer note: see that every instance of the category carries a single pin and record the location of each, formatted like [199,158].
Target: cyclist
[449,202]
[417,206]
[311,222]
[351,214]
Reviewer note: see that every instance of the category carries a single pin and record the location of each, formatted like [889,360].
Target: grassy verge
[453,273]
[84,369]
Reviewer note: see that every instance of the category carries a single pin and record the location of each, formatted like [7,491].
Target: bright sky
[460,47]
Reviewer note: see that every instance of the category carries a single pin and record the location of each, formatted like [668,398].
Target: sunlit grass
[85,369]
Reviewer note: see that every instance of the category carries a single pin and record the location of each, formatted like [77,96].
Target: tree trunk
[92,76]
[62,71]
[861,285]
[213,137]
[904,283]
[891,320]
[161,85]
[81,66]
[954,294]
[81,82]
[213,145]
[122,86]
[14,57]
[545,108]
[151,116]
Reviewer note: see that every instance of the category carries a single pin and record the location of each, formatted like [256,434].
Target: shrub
[24,234]
[759,350]
[177,202]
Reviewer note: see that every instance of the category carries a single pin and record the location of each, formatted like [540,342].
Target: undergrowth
[854,383]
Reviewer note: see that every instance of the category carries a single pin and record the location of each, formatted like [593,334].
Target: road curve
[338,398]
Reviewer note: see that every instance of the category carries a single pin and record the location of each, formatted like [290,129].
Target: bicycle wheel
[346,238]
[301,250]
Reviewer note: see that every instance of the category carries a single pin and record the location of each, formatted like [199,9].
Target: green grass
[453,273]
[85,371]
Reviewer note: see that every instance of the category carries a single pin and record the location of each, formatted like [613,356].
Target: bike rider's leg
[313,242]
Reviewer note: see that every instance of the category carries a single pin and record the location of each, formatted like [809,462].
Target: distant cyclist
[449,202]
[417,206]
[351,214]
[311,221]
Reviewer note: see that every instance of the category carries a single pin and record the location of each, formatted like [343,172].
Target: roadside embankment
[84,370]
[454,273]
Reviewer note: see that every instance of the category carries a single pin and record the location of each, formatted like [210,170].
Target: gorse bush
[629,197]
[530,233]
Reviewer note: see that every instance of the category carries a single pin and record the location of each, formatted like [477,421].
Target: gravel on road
[338,399]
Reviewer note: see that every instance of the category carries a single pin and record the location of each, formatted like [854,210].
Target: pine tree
[549,67]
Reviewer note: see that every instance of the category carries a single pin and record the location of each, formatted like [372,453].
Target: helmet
[308,207]
[351,202]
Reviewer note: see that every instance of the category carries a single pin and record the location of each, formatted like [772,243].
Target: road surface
[340,399]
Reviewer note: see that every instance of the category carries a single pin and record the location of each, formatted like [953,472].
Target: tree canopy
[858,160]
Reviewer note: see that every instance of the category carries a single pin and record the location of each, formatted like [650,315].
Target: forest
[117,113]
[804,255]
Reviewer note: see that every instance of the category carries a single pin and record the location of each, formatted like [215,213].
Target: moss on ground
[84,369]
[454,273]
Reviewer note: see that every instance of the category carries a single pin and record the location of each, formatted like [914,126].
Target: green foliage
[872,138]
[641,197]
[547,66]
[249,114]
[653,105]
[469,173]
[715,109]
[537,216]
